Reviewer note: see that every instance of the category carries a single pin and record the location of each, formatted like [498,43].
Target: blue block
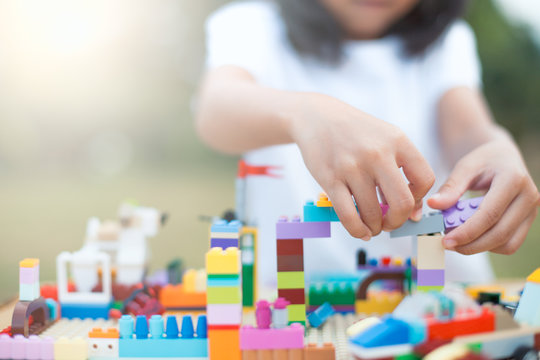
[202,327]
[85,311]
[223,226]
[223,243]
[172,327]
[319,316]
[389,332]
[314,213]
[429,224]
[163,348]
[141,327]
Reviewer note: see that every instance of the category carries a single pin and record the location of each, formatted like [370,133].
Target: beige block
[430,252]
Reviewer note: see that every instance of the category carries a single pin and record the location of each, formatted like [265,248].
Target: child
[368,99]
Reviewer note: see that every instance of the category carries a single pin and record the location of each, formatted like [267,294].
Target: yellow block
[290,280]
[380,304]
[189,280]
[220,261]
[475,290]
[70,349]
[297,312]
[323,201]
[535,276]
[29,263]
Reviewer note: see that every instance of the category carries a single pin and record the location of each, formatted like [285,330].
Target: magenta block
[224,314]
[291,337]
[430,277]
[5,346]
[28,275]
[47,348]
[302,230]
[460,212]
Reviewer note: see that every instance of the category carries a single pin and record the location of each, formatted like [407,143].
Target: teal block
[314,213]
[222,282]
[163,348]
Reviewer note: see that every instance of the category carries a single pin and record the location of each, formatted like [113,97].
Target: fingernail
[416,215]
[435,196]
[449,243]
[366,238]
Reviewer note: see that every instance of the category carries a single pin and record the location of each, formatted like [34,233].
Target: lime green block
[407,357]
[224,295]
[429,288]
[290,280]
[297,312]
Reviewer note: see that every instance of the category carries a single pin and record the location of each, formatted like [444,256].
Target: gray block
[430,224]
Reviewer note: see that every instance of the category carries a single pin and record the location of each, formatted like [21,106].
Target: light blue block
[223,226]
[27,292]
[163,348]
[53,308]
[314,213]
[528,310]
[222,282]
[429,224]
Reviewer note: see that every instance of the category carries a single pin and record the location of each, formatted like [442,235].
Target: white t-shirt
[375,77]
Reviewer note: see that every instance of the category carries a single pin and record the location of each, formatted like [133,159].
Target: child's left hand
[507,212]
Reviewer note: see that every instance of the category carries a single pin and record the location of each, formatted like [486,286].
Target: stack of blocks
[290,261]
[29,280]
[429,263]
[224,302]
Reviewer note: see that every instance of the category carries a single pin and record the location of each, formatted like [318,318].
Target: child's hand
[508,209]
[351,153]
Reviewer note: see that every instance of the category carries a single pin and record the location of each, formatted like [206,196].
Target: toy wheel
[526,353]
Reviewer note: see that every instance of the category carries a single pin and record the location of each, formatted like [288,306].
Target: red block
[294,296]
[290,263]
[290,247]
[465,326]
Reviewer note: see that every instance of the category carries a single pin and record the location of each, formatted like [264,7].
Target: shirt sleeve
[453,60]
[242,34]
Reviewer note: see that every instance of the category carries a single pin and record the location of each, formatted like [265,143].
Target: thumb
[455,186]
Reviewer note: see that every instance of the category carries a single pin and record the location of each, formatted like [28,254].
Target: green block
[407,357]
[475,347]
[290,280]
[224,295]
[247,285]
[297,312]
[337,294]
[118,305]
[223,276]
[429,288]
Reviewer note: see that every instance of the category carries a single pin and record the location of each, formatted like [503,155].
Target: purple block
[18,347]
[5,346]
[28,275]
[47,348]
[430,277]
[33,348]
[460,212]
[302,230]
[223,243]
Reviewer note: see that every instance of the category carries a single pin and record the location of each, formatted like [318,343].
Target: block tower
[224,292]
[29,280]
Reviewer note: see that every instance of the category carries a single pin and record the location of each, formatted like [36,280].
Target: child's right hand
[349,153]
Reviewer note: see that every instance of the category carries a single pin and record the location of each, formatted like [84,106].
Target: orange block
[224,344]
[174,296]
[315,352]
[110,333]
[439,330]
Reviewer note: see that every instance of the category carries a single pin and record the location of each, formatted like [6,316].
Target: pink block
[291,337]
[47,348]
[5,346]
[28,275]
[224,314]
[33,348]
[18,347]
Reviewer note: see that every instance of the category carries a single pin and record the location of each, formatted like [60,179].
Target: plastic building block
[301,230]
[280,315]
[430,277]
[429,224]
[277,354]
[325,352]
[263,314]
[319,316]
[224,295]
[428,288]
[290,263]
[223,280]
[313,212]
[465,325]
[336,294]
[430,252]
[290,247]
[291,337]
[84,311]
[103,348]
[378,304]
[223,243]
[31,348]
[110,333]
[297,313]
[290,280]
[534,277]
[323,201]
[37,309]
[389,332]
[294,296]
[222,226]
[220,261]
[224,344]
[460,212]
[70,349]
[29,280]
[175,297]
[528,310]
[224,314]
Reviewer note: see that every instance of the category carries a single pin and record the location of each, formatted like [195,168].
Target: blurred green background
[95,107]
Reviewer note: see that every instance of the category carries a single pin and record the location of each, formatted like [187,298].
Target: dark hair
[313,31]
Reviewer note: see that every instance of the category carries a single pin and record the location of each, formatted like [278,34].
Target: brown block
[295,296]
[325,352]
[290,263]
[296,354]
[249,354]
[290,247]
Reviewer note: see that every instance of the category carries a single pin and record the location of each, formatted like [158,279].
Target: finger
[458,182]
[420,175]
[501,193]
[364,192]
[397,194]
[502,231]
[517,239]
[346,211]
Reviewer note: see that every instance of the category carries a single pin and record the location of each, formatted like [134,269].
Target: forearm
[235,114]
[466,123]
